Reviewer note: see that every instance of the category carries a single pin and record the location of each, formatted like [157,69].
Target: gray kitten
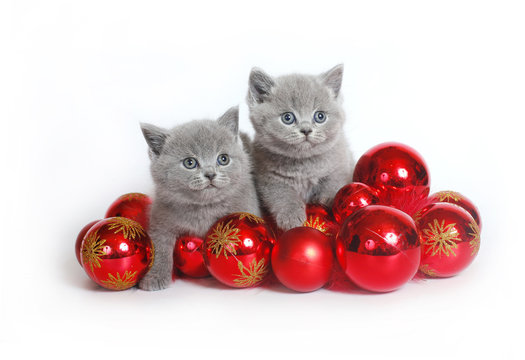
[299,151]
[201,173]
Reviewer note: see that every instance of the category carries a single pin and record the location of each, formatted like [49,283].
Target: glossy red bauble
[302,259]
[450,239]
[188,256]
[80,237]
[320,217]
[134,206]
[351,198]
[456,198]
[237,250]
[378,248]
[116,253]
[397,172]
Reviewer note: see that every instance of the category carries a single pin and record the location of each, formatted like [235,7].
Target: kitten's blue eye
[190,163]
[288,118]
[319,117]
[223,159]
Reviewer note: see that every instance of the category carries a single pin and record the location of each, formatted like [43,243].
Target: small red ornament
[188,258]
[134,206]
[399,174]
[302,259]
[456,198]
[320,217]
[351,198]
[237,250]
[80,237]
[450,239]
[116,253]
[378,248]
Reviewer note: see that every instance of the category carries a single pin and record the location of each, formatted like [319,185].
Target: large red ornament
[456,198]
[237,250]
[116,253]
[80,237]
[134,206]
[188,257]
[320,217]
[399,174]
[351,198]
[450,239]
[378,248]
[302,259]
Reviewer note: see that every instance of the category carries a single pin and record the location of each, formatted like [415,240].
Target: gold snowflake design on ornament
[223,239]
[418,215]
[251,275]
[130,229]
[475,242]
[441,238]
[317,223]
[448,195]
[425,269]
[250,217]
[120,283]
[93,250]
[132,196]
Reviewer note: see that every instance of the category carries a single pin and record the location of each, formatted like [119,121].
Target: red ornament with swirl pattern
[134,206]
[188,257]
[320,217]
[80,237]
[398,173]
[237,250]
[302,259]
[450,239]
[351,198]
[378,248]
[116,253]
[453,197]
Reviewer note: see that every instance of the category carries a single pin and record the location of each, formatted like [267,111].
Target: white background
[76,78]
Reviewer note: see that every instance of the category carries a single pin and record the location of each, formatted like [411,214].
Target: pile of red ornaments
[381,230]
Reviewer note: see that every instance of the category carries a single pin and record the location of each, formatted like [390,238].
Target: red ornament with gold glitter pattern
[237,250]
[397,172]
[351,198]
[80,237]
[450,239]
[378,248]
[458,199]
[188,256]
[134,206]
[302,259]
[116,253]
[320,217]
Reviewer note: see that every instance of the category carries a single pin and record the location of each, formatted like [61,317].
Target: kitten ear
[230,120]
[333,78]
[155,137]
[260,85]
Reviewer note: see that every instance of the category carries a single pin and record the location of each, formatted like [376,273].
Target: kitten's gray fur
[294,167]
[185,201]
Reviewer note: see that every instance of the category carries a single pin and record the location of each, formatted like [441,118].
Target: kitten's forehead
[300,92]
[199,138]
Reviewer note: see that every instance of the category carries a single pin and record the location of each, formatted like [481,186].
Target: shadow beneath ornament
[207,282]
[273,284]
[74,275]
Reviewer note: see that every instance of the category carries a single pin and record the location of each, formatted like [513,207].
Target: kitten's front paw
[154,282]
[291,219]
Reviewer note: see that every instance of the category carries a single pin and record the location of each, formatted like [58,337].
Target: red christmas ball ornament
[134,206]
[80,237]
[351,198]
[116,253]
[378,248]
[458,199]
[302,259]
[450,239]
[237,250]
[399,174]
[320,217]
[188,257]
